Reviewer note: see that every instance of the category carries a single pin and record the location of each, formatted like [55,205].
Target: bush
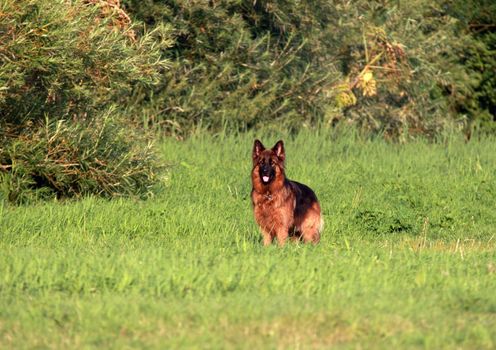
[386,67]
[64,159]
[477,20]
[68,75]
[241,64]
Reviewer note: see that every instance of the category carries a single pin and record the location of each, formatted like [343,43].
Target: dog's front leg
[267,234]
[267,239]
[282,235]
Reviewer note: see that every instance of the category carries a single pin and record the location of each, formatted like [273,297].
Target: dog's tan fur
[282,208]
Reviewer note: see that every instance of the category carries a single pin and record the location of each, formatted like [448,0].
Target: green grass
[407,258]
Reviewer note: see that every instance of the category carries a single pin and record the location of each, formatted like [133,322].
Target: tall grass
[407,257]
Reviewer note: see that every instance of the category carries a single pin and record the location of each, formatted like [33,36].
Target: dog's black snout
[266,168]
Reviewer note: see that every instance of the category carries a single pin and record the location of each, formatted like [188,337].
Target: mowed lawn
[407,257]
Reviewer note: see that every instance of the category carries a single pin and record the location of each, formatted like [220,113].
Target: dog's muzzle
[266,173]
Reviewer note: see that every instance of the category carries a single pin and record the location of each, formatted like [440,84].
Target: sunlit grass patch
[406,260]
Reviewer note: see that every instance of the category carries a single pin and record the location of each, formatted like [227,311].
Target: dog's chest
[264,204]
[269,208]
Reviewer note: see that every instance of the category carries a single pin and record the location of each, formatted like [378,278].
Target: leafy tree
[477,20]
[67,73]
[241,64]
[391,67]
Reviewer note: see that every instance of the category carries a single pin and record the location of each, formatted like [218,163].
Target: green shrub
[64,159]
[477,20]
[68,74]
[241,64]
[386,67]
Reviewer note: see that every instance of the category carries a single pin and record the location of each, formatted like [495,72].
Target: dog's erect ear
[279,150]
[257,149]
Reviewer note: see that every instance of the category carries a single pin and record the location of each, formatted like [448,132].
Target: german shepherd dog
[283,208]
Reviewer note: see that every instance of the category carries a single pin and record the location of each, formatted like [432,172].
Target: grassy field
[407,258]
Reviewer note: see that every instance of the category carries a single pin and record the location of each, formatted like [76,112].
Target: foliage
[243,64]
[62,159]
[67,75]
[477,19]
[385,66]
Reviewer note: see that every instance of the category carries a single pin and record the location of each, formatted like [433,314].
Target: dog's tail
[321,225]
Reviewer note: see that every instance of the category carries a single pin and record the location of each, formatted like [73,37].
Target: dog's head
[268,164]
